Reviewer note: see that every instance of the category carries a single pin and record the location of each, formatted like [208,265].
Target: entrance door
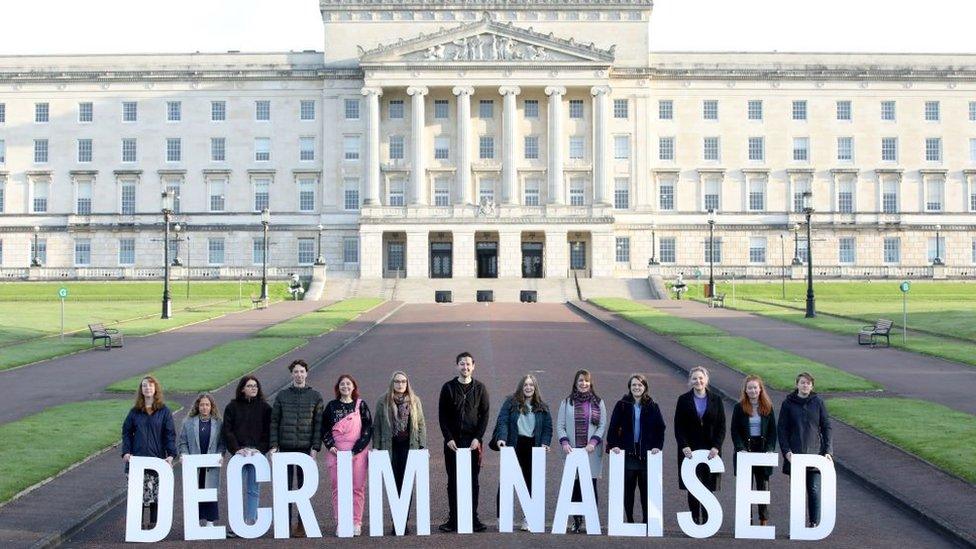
[487,256]
[577,255]
[532,259]
[441,258]
[394,259]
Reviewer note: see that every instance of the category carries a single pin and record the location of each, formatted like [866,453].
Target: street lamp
[808,210]
[36,260]
[711,252]
[782,260]
[653,260]
[168,201]
[796,245]
[176,260]
[319,260]
[938,247]
[265,221]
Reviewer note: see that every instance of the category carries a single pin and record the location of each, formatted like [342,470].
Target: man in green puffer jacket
[296,425]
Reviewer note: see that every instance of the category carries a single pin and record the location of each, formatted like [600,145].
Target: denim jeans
[252,491]
[813,495]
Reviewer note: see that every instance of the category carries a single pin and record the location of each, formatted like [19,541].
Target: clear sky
[152,26]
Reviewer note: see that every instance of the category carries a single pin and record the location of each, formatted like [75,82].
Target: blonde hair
[411,398]
[701,369]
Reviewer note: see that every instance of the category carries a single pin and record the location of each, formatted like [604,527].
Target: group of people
[300,421]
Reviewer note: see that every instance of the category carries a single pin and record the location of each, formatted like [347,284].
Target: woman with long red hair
[754,430]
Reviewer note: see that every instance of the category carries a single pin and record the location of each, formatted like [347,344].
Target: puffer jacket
[804,427]
[296,420]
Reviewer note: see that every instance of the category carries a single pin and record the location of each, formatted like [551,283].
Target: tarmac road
[552,341]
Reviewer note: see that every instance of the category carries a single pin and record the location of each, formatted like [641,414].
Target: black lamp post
[796,245]
[319,260]
[653,260]
[266,222]
[808,210]
[36,260]
[938,246]
[168,199]
[176,260]
[711,252]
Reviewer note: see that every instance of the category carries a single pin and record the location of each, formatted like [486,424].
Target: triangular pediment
[487,41]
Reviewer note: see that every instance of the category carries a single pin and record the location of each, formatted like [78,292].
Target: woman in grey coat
[581,423]
[201,435]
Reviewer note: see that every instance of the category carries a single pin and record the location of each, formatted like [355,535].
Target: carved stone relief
[485,47]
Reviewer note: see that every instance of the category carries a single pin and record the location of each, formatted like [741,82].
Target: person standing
[804,428]
[148,431]
[201,435]
[581,423]
[296,426]
[753,429]
[246,431]
[463,416]
[347,425]
[636,427]
[699,424]
[399,425]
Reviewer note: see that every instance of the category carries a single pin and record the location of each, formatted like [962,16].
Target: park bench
[259,303]
[110,336]
[717,300]
[868,334]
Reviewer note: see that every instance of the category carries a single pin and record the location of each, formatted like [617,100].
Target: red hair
[355,386]
[765,404]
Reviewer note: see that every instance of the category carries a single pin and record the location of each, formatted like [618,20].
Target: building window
[531,108]
[845,149]
[257,250]
[306,110]
[396,109]
[350,147]
[83,198]
[350,249]
[713,250]
[800,110]
[933,196]
[350,195]
[174,187]
[3,151]
[396,147]
[129,150]
[531,197]
[889,149]
[620,108]
[972,150]
[801,149]
[174,149]
[83,252]
[130,111]
[215,251]
[42,112]
[621,193]
[486,191]
[799,188]
[216,190]
[442,147]
[486,147]
[665,148]
[84,150]
[932,109]
[127,251]
[576,108]
[933,149]
[757,195]
[262,110]
[86,112]
[41,253]
[576,190]
[218,111]
[972,111]
[486,108]
[306,195]
[755,109]
[757,149]
[218,149]
[845,250]
[394,256]
[127,199]
[261,195]
[174,111]
[845,197]
[306,251]
[937,250]
[665,109]
[442,192]
[888,111]
[711,195]
[3,197]
[667,249]
[623,249]
[844,110]
[577,255]
[892,249]
[441,109]
[621,147]
[757,250]
[306,149]
[710,149]
[577,147]
[40,151]
[972,198]
[3,113]
[531,147]
[262,149]
[889,197]
[710,109]
[395,194]
[666,196]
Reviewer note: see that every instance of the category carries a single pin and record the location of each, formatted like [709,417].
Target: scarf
[579,401]
[401,413]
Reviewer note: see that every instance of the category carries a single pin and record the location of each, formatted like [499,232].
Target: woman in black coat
[699,424]
[636,437]
[754,430]
[804,428]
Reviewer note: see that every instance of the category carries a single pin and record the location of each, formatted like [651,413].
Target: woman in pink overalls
[348,425]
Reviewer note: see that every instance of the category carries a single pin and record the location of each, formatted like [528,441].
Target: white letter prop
[138,465]
[616,526]
[511,484]
[465,522]
[300,497]
[702,494]
[577,465]
[344,499]
[416,473]
[655,495]
[235,498]
[193,496]
[746,497]
[798,496]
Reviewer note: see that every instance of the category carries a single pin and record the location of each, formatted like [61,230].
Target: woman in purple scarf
[581,423]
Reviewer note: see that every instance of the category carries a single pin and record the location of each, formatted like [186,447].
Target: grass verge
[940,435]
[653,319]
[321,321]
[43,349]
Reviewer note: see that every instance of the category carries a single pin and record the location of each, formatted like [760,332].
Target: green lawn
[321,321]
[935,433]
[40,349]
[44,444]
[215,367]
[777,367]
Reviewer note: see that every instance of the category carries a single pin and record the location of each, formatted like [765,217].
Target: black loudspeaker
[486,296]
[443,296]
[528,296]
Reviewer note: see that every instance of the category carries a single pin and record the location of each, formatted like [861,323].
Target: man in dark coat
[804,428]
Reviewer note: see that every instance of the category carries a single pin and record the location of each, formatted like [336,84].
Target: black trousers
[399,452]
[578,492]
[635,477]
[523,451]
[813,496]
[450,460]
[760,480]
[208,509]
[296,478]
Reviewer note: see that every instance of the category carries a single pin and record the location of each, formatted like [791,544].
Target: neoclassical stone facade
[523,138]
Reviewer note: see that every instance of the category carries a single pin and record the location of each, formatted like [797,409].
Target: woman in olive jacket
[754,430]
[699,424]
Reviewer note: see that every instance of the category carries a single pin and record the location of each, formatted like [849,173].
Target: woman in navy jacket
[636,427]
[148,431]
[699,424]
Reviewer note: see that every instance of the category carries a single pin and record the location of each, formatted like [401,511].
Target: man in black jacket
[804,428]
[463,416]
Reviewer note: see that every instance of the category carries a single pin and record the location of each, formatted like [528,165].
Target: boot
[763,522]
[298,530]
[577,524]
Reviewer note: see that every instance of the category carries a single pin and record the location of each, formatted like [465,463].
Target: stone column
[418,172]
[509,254]
[508,143]
[600,99]
[556,256]
[557,192]
[602,254]
[418,254]
[464,262]
[372,197]
[464,94]
[370,253]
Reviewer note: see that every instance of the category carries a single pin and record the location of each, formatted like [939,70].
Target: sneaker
[448,527]
[478,526]
[524,526]
[298,530]
[577,524]
[357,530]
